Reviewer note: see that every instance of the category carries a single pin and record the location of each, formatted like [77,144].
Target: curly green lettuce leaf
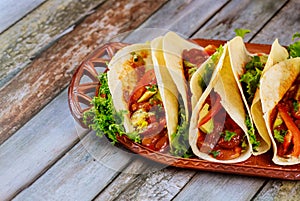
[294,48]
[250,79]
[103,118]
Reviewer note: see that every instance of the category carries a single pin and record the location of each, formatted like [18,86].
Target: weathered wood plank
[36,146]
[78,176]
[220,187]
[282,26]
[183,17]
[36,85]
[128,176]
[279,190]
[160,185]
[36,31]
[248,14]
[14,10]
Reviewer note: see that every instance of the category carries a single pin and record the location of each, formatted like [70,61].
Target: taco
[217,131]
[147,94]
[247,70]
[280,97]
[183,58]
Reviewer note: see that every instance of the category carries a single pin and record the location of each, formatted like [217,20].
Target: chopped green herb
[251,132]
[241,32]
[215,153]
[106,63]
[152,88]
[279,135]
[228,135]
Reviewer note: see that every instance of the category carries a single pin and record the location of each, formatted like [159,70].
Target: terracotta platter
[84,85]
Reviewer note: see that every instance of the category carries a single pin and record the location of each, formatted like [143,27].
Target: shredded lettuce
[279,135]
[180,140]
[251,132]
[250,79]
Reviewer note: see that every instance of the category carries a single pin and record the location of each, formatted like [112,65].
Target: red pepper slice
[292,127]
[212,112]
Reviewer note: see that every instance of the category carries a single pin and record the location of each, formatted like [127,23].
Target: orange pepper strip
[212,112]
[292,127]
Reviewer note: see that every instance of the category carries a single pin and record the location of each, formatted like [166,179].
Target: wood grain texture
[183,17]
[37,31]
[36,85]
[248,14]
[78,175]
[282,26]
[219,187]
[132,173]
[36,146]
[279,190]
[14,10]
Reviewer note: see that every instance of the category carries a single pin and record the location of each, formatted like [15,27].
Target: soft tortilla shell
[225,85]
[166,86]
[274,83]
[173,46]
[277,54]
[239,56]
[122,76]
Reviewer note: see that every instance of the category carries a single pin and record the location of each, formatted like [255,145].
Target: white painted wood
[247,14]
[36,146]
[78,176]
[219,187]
[14,10]
[282,26]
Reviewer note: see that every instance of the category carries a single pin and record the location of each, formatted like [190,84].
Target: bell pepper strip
[212,112]
[292,127]
[287,141]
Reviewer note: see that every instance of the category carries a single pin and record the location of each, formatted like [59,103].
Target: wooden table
[45,155]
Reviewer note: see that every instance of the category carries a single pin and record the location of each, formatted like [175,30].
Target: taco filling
[285,122]
[147,113]
[192,60]
[218,135]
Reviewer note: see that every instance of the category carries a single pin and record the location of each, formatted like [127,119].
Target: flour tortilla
[224,84]
[173,46]
[277,54]
[122,76]
[274,83]
[239,57]
[195,87]
[166,86]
